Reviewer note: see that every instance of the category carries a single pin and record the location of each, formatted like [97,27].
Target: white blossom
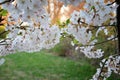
[80,33]
[2,60]
[73,2]
[90,53]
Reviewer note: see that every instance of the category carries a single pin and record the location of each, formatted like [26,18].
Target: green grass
[41,66]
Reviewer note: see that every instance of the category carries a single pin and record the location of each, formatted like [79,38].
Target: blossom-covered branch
[39,33]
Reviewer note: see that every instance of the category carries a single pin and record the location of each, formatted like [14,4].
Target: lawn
[43,66]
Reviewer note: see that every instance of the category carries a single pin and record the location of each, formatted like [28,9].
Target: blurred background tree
[3,22]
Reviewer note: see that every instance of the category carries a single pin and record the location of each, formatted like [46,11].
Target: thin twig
[102,68]
[111,3]
[101,42]
[4,40]
[7,1]
[96,25]
[4,44]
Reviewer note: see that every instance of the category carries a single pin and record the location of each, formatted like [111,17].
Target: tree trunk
[118,25]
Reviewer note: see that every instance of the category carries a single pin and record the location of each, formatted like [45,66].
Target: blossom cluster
[98,12]
[95,12]
[39,31]
[32,39]
[91,53]
[79,33]
[112,64]
[26,10]
[29,27]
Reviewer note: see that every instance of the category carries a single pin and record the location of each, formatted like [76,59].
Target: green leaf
[67,21]
[3,12]
[92,7]
[4,35]
[75,41]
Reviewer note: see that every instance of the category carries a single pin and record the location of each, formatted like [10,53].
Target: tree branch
[96,25]
[101,42]
[118,24]
[111,3]
[102,68]
[7,1]
[4,44]
[2,41]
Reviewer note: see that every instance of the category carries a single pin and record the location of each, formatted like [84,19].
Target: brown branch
[96,25]
[102,68]
[102,42]
[118,24]
[7,1]
[3,44]
[111,3]
[4,40]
